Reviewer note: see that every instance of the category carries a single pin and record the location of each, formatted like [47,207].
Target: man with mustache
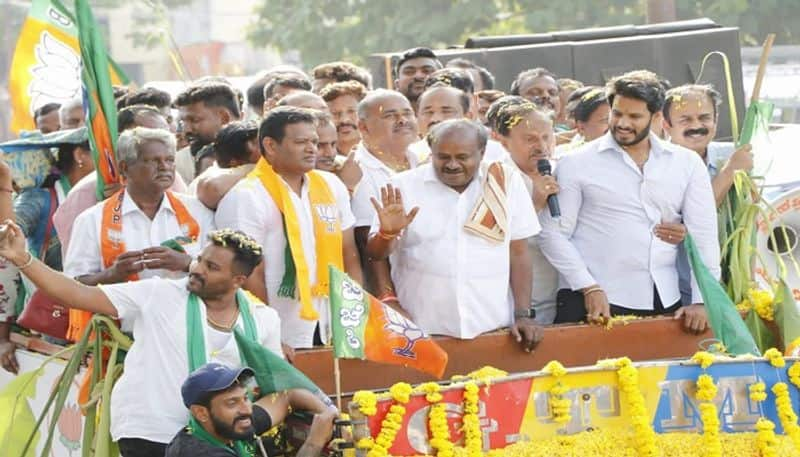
[388,126]
[690,119]
[301,216]
[326,147]
[225,422]
[456,273]
[342,99]
[204,108]
[622,198]
[174,322]
[412,69]
[141,231]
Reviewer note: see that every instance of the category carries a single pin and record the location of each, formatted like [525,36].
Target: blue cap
[211,377]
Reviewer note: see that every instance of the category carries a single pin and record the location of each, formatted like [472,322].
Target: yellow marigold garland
[401,393]
[559,404]
[758,392]
[473,441]
[437,421]
[765,438]
[367,402]
[775,358]
[628,375]
[786,414]
[794,374]
[706,391]
[703,358]
[762,302]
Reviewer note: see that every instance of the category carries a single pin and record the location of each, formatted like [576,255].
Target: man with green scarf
[178,326]
[225,423]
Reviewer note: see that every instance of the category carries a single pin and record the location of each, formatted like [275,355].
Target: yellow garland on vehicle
[703,358]
[437,421]
[706,391]
[775,358]
[765,438]
[393,422]
[628,378]
[794,374]
[473,441]
[758,392]
[559,404]
[786,414]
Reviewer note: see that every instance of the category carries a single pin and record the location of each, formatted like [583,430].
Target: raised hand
[391,214]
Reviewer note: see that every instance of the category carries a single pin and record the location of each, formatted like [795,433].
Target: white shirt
[146,401]
[184,164]
[609,209]
[450,281]
[495,152]
[717,155]
[138,232]
[249,207]
[545,277]
[375,175]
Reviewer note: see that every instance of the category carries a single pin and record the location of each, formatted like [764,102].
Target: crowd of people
[438,196]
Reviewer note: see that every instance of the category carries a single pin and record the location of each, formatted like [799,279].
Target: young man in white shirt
[454,275]
[146,406]
[622,198]
[292,210]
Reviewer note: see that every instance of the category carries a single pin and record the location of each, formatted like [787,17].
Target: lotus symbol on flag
[56,77]
[396,323]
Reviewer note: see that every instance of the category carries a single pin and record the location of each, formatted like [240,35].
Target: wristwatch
[530,313]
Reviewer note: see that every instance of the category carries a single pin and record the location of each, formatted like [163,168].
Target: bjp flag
[364,328]
[46,67]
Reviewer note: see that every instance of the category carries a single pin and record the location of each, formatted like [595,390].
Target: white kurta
[375,175]
[138,232]
[146,401]
[249,207]
[450,281]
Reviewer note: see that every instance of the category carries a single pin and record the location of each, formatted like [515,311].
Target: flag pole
[762,67]
[337,374]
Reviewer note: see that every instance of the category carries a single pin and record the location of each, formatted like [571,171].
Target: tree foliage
[325,30]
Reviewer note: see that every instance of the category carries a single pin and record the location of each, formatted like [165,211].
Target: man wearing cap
[224,422]
[177,324]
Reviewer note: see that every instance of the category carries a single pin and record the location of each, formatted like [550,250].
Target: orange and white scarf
[489,218]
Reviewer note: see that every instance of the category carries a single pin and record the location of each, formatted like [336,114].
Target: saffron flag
[365,328]
[98,98]
[725,320]
[46,67]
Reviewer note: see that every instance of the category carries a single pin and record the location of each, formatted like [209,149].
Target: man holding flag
[178,326]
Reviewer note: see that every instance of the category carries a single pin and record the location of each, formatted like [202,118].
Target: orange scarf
[112,246]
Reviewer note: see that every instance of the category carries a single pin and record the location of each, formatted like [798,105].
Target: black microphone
[543,165]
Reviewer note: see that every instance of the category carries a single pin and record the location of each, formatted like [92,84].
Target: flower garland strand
[794,374]
[628,375]
[765,438]
[393,422]
[559,404]
[786,414]
[473,440]
[706,391]
[437,421]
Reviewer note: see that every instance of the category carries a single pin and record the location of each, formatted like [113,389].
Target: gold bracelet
[592,290]
[387,236]
[26,264]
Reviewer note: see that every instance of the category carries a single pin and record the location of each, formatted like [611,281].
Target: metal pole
[661,11]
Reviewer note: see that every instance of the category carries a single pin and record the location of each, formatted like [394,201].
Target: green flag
[98,98]
[787,316]
[725,320]
[273,374]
